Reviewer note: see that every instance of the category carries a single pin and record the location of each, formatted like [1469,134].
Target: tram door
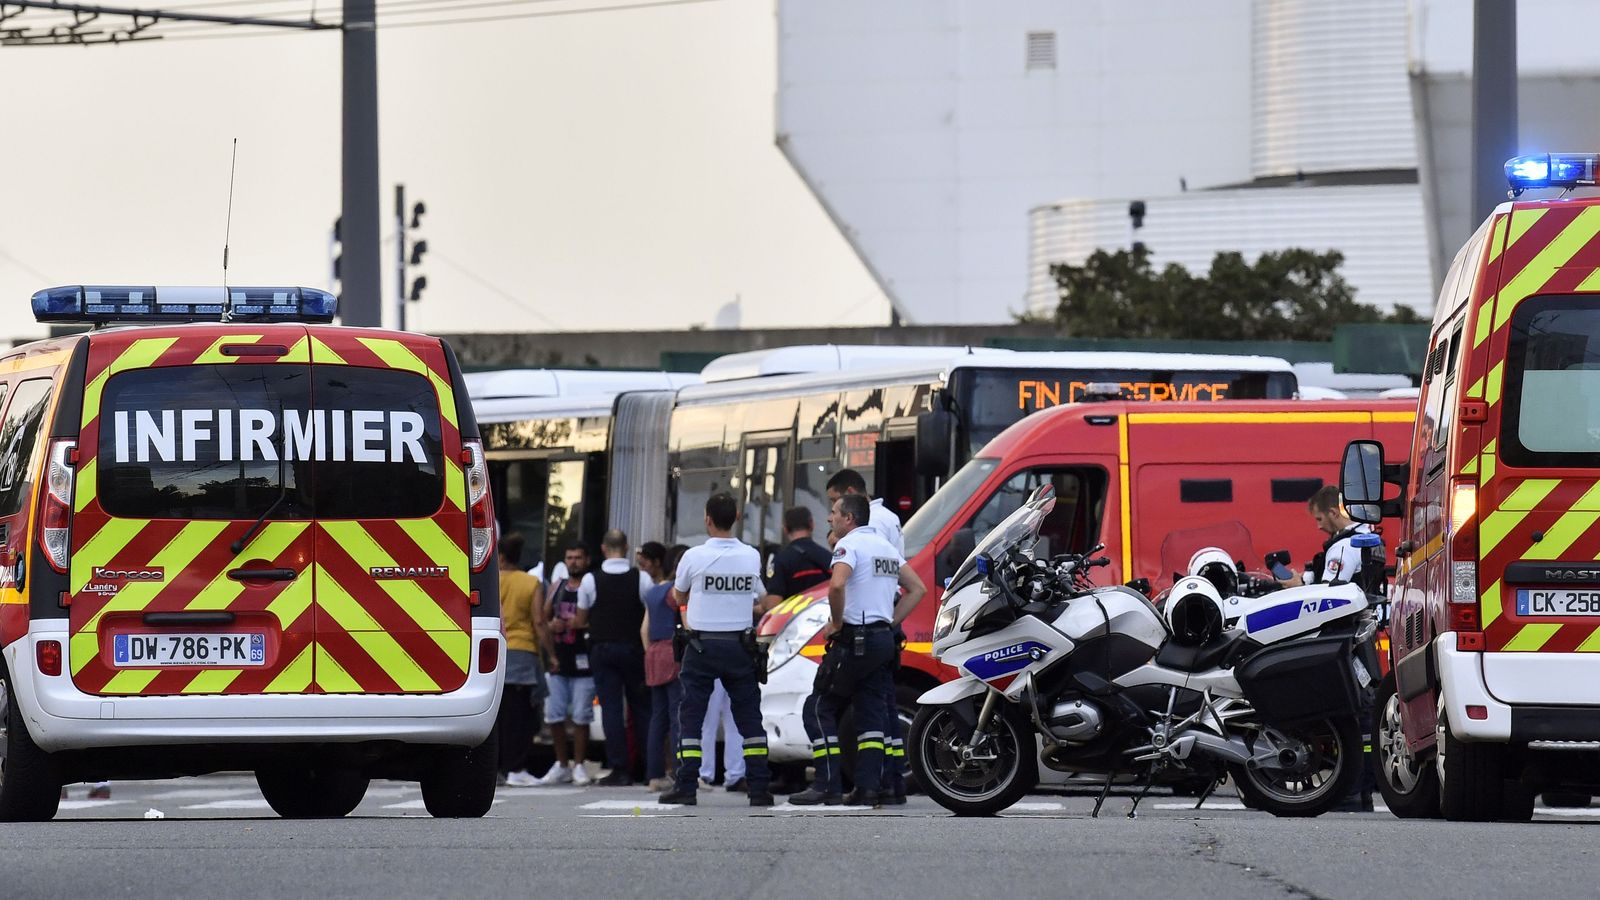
[765,468]
[543,498]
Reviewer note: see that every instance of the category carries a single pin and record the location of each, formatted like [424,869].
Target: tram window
[694,488]
[811,488]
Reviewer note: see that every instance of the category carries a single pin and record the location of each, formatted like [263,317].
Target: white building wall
[928,139]
[1379,228]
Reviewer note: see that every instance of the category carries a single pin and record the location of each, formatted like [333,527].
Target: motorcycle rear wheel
[1319,784]
[972,787]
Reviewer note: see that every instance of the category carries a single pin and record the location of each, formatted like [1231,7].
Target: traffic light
[419,246]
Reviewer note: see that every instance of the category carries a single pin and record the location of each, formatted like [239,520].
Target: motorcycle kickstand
[1105,791]
[1206,794]
[1133,811]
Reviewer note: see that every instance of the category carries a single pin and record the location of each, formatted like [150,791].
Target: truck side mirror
[935,433]
[1361,483]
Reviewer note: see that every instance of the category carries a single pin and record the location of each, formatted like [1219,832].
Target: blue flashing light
[101,305]
[1551,170]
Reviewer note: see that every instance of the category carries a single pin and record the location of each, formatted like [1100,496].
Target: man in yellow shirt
[520,594]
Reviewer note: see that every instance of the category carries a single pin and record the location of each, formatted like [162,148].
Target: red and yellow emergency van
[1133,476]
[1495,622]
[240,538]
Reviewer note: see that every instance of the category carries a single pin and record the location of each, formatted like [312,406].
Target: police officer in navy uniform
[718,586]
[868,573]
[887,524]
[802,563]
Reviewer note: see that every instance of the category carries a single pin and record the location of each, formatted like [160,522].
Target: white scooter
[1095,679]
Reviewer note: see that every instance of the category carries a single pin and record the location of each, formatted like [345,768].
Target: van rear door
[393,605]
[191,538]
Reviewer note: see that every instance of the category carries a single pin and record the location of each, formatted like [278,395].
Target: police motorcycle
[1080,678]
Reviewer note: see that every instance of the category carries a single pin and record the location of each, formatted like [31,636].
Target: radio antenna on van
[227,232]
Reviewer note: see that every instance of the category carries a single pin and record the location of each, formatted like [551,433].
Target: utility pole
[1494,101]
[400,257]
[361,301]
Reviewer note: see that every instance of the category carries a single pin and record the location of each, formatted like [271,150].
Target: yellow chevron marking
[1495,383]
[295,677]
[1531,638]
[213,354]
[213,681]
[1475,391]
[1561,535]
[1590,499]
[1490,603]
[130,681]
[84,484]
[395,662]
[1471,468]
[1497,238]
[1591,282]
[174,558]
[337,602]
[140,353]
[1556,254]
[399,356]
[1496,526]
[1591,644]
[1485,321]
[359,545]
[323,354]
[1524,219]
[441,551]
[110,540]
[455,484]
[354,619]
[82,647]
[299,352]
[332,677]
[1530,493]
[269,543]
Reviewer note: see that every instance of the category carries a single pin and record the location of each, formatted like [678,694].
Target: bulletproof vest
[617,612]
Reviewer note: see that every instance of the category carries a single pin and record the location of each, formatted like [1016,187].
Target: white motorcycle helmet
[1194,611]
[1215,566]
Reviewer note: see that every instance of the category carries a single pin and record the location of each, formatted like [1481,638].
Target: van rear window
[1552,384]
[234,441]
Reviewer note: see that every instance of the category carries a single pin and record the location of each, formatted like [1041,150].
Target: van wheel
[320,792]
[30,780]
[1410,786]
[459,784]
[1471,776]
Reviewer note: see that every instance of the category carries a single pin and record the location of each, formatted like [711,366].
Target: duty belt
[716,635]
[870,626]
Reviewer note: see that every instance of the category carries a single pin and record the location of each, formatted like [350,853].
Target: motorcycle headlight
[945,623]
[797,633]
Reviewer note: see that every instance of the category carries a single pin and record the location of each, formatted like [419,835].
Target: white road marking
[418,804]
[629,804]
[1035,807]
[625,816]
[791,808]
[1220,805]
[1576,813]
[242,803]
[90,804]
[539,791]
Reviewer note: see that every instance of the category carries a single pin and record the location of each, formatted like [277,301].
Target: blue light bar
[106,304]
[1551,170]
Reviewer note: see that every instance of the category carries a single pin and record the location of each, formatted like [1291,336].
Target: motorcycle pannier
[1301,680]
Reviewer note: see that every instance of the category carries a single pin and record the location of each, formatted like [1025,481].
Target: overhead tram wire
[226,34]
[395,8]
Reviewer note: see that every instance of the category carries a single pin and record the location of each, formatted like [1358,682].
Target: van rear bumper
[1534,696]
[61,717]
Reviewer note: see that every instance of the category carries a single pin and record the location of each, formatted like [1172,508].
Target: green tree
[1292,294]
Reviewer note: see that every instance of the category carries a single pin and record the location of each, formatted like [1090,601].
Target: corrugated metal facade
[1378,227]
[1329,84]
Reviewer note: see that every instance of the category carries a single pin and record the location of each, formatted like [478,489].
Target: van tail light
[48,654]
[480,506]
[55,506]
[1462,540]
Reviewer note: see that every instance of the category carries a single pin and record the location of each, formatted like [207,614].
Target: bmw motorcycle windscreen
[1300,681]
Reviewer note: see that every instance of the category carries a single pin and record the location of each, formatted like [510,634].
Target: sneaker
[100,791]
[678,796]
[737,787]
[707,783]
[814,797]
[521,779]
[580,775]
[617,778]
[657,785]
[558,774]
[762,798]
[859,797]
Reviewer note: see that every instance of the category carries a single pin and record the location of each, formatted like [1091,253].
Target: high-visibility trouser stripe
[827,751]
[689,754]
[755,751]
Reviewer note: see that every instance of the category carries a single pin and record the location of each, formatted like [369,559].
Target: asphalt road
[217,838]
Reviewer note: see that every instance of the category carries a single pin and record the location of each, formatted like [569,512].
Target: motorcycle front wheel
[972,781]
[1327,761]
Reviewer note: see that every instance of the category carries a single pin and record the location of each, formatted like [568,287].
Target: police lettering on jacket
[229,435]
[715,583]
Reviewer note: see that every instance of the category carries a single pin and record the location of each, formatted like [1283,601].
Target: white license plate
[1557,602]
[231,650]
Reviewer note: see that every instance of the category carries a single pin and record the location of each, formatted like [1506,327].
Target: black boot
[814,797]
[761,798]
[861,797]
[678,795]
